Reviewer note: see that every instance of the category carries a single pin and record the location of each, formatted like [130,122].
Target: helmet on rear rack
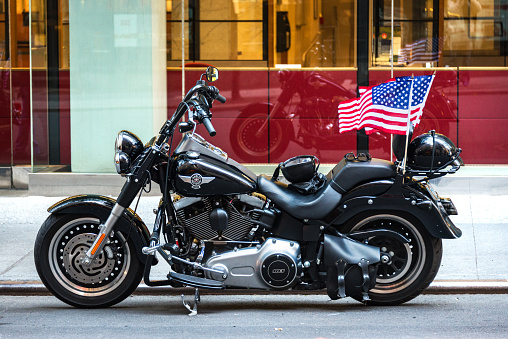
[432,152]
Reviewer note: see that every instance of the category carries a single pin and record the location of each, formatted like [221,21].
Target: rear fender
[100,207]
[437,222]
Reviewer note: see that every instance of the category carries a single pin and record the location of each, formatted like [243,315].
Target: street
[255,316]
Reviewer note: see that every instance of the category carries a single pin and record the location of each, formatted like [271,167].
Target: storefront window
[446,33]
[63,19]
[320,33]
[475,33]
[415,40]
[260,33]
[4,29]
[222,32]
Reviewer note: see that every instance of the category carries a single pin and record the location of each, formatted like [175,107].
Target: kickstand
[194,309]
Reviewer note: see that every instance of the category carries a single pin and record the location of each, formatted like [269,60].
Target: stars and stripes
[421,51]
[385,107]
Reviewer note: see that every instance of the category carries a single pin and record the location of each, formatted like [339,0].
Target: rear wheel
[410,267]
[60,245]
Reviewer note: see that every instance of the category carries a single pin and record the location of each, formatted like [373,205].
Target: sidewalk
[474,263]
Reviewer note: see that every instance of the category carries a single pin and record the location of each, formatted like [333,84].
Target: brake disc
[76,249]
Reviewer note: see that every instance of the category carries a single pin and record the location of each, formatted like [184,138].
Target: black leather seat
[343,177]
[348,174]
[312,206]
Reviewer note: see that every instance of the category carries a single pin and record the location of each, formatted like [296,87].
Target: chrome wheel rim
[406,259]
[68,247]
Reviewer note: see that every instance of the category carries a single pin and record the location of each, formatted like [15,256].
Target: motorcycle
[370,229]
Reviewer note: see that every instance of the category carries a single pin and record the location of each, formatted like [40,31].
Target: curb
[16,288]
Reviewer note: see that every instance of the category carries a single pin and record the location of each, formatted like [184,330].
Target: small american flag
[385,107]
[421,51]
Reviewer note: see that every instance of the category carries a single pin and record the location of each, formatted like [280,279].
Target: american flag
[421,51]
[385,107]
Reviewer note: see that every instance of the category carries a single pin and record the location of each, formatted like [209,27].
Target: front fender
[100,207]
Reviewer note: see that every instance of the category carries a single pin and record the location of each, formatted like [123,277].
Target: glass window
[4,28]
[457,33]
[218,32]
[317,33]
[415,39]
[63,18]
[475,33]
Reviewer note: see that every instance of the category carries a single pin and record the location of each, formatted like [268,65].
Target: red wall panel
[21,130]
[305,104]
[483,99]
[5,118]
[471,113]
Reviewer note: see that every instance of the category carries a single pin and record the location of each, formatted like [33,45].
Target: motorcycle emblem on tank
[196,180]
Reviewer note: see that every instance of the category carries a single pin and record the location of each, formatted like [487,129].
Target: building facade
[74,73]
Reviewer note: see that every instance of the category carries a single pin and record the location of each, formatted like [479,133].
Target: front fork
[129,191]
[105,230]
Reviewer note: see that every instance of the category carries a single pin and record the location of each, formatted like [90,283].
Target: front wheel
[251,143]
[60,245]
[410,267]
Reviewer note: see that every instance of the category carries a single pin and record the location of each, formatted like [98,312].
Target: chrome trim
[116,213]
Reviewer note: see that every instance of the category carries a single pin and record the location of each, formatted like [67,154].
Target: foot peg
[193,309]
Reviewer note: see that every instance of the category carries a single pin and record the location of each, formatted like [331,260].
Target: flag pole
[408,125]
[391,77]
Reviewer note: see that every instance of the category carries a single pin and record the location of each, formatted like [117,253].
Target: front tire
[61,243]
[412,266]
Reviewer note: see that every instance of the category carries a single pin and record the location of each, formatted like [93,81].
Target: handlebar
[209,126]
[221,99]
[201,88]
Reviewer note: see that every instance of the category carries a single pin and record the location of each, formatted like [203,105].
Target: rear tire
[412,266]
[61,243]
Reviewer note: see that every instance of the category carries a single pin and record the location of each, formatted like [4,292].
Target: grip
[209,126]
[221,98]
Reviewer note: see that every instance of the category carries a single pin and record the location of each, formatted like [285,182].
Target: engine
[224,234]
[207,218]
[276,264]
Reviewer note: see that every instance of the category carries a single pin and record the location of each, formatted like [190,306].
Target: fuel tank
[200,175]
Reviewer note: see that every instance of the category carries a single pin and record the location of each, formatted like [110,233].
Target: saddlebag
[351,267]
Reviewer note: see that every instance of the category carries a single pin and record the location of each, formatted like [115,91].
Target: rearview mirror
[212,74]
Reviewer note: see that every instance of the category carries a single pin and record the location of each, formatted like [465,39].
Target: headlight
[127,148]
[129,144]
[122,162]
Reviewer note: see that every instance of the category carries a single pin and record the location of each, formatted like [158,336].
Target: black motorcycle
[371,229]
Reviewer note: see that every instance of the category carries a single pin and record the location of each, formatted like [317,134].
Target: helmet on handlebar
[432,152]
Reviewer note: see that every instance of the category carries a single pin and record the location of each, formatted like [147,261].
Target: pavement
[474,263]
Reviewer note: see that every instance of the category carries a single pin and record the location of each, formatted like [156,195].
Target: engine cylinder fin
[196,218]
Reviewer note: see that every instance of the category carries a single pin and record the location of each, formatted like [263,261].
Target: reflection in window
[457,33]
[321,33]
[218,31]
[4,28]
[317,33]
[476,33]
